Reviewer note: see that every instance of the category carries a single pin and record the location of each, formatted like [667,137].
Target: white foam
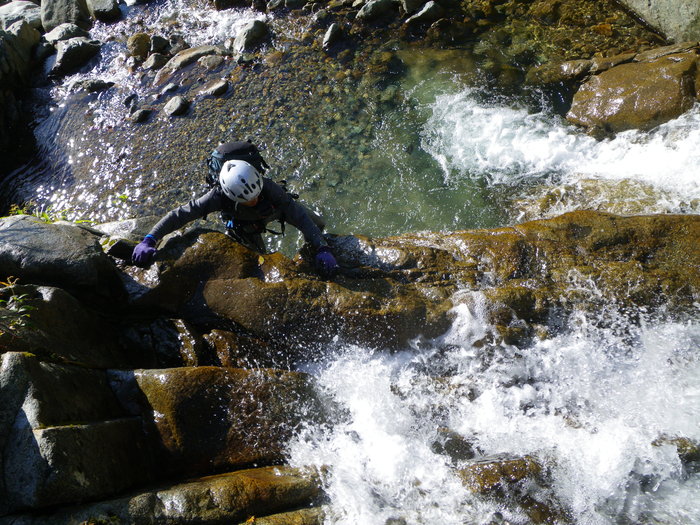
[508,145]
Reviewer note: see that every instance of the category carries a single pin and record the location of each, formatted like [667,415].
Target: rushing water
[592,405]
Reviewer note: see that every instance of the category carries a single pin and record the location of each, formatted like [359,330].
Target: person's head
[240,181]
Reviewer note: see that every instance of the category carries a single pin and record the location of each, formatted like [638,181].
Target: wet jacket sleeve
[296,215]
[194,209]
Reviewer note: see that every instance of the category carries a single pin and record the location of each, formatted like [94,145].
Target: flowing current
[601,410]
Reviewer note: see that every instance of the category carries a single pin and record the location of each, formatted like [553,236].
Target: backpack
[239,150]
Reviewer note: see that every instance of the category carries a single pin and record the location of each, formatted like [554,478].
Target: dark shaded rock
[57,12]
[159,44]
[176,106]
[74,53]
[139,116]
[63,436]
[62,329]
[211,418]
[234,497]
[636,95]
[65,32]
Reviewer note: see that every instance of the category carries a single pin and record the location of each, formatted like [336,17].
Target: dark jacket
[274,203]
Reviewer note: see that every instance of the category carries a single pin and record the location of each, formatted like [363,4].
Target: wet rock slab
[224,498]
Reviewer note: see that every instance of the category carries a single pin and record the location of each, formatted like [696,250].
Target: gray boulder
[254,34]
[63,436]
[411,6]
[65,32]
[104,10]
[59,254]
[332,36]
[57,12]
[20,10]
[430,13]
[678,20]
[176,106]
[378,9]
[74,53]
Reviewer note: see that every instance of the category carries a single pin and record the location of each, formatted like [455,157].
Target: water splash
[511,146]
[596,406]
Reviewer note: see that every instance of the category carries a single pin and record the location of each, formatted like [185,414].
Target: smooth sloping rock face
[209,418]
[59,254]
[225,498]
[637,95]
[63,436]
[391,290]
[678,20]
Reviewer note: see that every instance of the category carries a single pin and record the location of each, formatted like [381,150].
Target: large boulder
[104,10]
[638,95]
[63,436]
[252,35]
[20,10]
[678,20]
[74,53]
[208,419]
[58,254]
[57,12]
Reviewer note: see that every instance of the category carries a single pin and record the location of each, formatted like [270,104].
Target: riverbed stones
[72,54]
[216,88]
[65,32]
[139,45]
[488,474]
[176,106]
[638,95]
[155,61]
[251,36]
[20,10]
[104,10]
[57,12]
[376,10]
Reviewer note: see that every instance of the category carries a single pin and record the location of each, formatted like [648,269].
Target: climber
[248,202]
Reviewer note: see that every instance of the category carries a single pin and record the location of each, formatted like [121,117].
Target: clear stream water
[588,404]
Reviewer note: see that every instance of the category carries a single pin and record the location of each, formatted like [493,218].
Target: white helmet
[240,181]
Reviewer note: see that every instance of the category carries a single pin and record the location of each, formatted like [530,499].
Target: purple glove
[325,262]
[144,252]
